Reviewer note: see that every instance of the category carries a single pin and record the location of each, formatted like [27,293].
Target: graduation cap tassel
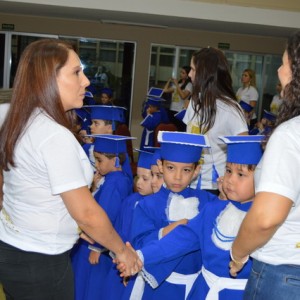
[117,164]
[215,174]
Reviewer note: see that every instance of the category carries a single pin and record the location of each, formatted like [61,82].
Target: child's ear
[160,166]
[197,171]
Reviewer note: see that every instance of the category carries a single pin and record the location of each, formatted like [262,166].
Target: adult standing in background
[248,93]
[46,176]
[276,100]
[213,111]
[181,91]
[270,231]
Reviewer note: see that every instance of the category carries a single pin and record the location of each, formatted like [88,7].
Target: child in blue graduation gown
[153,118]
[214,229]
[104,120]
[115,287]
[175,203]
[91,263]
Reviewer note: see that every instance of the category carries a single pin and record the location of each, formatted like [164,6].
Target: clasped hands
[126,267]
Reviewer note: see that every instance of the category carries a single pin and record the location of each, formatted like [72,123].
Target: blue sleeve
[151,121]
[179,242]
[144,226]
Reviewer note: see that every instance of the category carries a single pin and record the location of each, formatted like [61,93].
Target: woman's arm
[92,219]
[167,88]
[184,94]
[267,213]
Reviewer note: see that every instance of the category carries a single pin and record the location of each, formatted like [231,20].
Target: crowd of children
[161,215]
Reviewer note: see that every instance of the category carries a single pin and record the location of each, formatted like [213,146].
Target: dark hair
[35,86]
[187,69]
[121,156]
[249,167]
[290,107]
[212,81]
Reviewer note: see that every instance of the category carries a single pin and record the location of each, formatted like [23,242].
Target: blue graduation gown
[150,123]
[149,217]
[199,233]
[114,288]
[90,279]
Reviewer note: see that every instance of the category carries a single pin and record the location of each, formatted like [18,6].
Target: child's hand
[96,180]
[222,194]
[94,257]
[173,225]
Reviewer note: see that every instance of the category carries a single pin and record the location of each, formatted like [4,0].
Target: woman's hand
[235,267]
[128,262]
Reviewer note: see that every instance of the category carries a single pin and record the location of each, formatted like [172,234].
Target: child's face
[143,183]
[104,165]
[105,99]
[177,176]
[99,127]
[238,183]
[152,109]
[157,178]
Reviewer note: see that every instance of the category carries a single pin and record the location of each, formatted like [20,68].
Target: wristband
[237,261]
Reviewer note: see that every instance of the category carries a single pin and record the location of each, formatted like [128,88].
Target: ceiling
[142,19]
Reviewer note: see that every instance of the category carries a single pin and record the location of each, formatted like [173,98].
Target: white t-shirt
[228,122]
[279,172]
[248,94]
[177,103]
[275,104]
[49,161]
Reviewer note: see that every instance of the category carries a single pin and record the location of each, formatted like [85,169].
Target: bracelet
[236,261]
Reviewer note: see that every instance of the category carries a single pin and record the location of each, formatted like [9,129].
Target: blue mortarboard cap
[145,159]
[107,112]
[89,98]
[269,116]
[155,92]
[156,154]
[84,117]
[109,143]
[88,94]
[181,146]
[245,106]
[107,91]
[154,101]
[244,149]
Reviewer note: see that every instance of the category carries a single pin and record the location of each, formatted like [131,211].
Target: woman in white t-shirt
[181,91]
[213,111]
[270,232]
[45,178]
[248,93]
[277,100]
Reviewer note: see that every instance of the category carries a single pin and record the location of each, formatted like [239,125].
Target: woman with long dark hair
[213,111]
